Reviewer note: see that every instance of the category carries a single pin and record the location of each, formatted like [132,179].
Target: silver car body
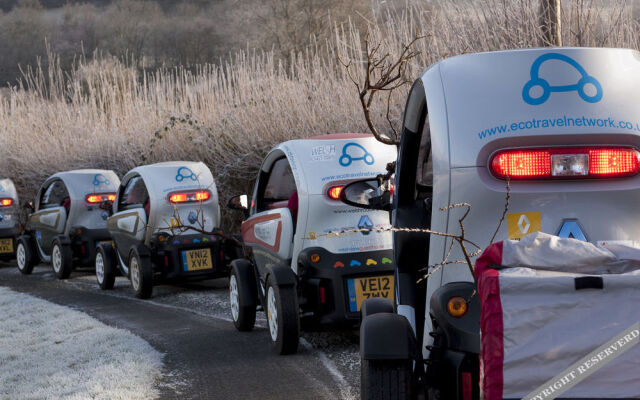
[477,105]
[49,220]
[161,180]
[9,215]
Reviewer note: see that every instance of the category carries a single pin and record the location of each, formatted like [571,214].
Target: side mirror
[29,206]
[240,202]
[368,193]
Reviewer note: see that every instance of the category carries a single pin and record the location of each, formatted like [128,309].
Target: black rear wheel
[141,275]
[61,259]
[105,266]
[244,316]
[385,379]
[283,317]
[26,257]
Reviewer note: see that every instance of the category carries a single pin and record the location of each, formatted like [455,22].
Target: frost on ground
[49,351]
[337,351]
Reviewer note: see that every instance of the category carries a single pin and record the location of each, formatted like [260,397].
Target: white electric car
[563,124]
[300,275]
[162,227]
[9,219]
[66,221]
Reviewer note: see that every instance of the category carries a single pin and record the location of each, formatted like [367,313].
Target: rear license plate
[6,246]
[361,289]
[197,260]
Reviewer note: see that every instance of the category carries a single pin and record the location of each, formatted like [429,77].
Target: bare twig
[381,75]
[504,212]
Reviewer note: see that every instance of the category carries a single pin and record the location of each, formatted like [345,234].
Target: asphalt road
[205,357]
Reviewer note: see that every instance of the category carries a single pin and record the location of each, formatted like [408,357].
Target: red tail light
[334,192]
[566,163]
[95,198]
[189,197]
[6,202]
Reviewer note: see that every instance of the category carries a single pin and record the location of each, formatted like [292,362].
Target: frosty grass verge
[49,351]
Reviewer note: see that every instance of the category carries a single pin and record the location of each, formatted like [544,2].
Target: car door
[50,217]
[128,225]
[269,230]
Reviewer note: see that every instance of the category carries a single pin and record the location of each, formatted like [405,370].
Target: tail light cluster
[565,163]
[189,197]
[6,202]
[95,198]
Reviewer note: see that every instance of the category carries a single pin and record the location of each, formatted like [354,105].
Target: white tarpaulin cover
[537,320]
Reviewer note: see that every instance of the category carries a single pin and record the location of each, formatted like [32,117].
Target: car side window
[280,186]
[281,183]
[134,195]
[424,174]
[55,195]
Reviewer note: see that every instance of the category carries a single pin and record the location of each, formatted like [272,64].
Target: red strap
[491,325]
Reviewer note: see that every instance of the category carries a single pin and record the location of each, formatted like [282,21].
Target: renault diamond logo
[570,228]
[524,224]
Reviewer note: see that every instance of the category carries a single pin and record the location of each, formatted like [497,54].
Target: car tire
[61,259]
[283,317]
[385,380]
[244,317]
[26,257]
[141,275]
[105,267]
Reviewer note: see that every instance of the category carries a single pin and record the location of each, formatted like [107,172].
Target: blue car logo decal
[184,172]
[104,215]
[358,153]
[355,263]
[365,223]
[588,87]
[100,179]
[193,217]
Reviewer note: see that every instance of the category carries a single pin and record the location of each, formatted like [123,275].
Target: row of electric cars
[158,224]
[553,131]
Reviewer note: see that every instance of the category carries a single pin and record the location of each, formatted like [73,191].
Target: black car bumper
[332,285]
[84,242]
[171,260]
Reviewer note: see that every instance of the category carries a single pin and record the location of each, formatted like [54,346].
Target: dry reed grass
[109,114]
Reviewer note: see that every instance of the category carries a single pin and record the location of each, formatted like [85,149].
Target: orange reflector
[315,258]
[334,192]
[457,306]
[566,163]
[6,202]
[190,197]
[94,198]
